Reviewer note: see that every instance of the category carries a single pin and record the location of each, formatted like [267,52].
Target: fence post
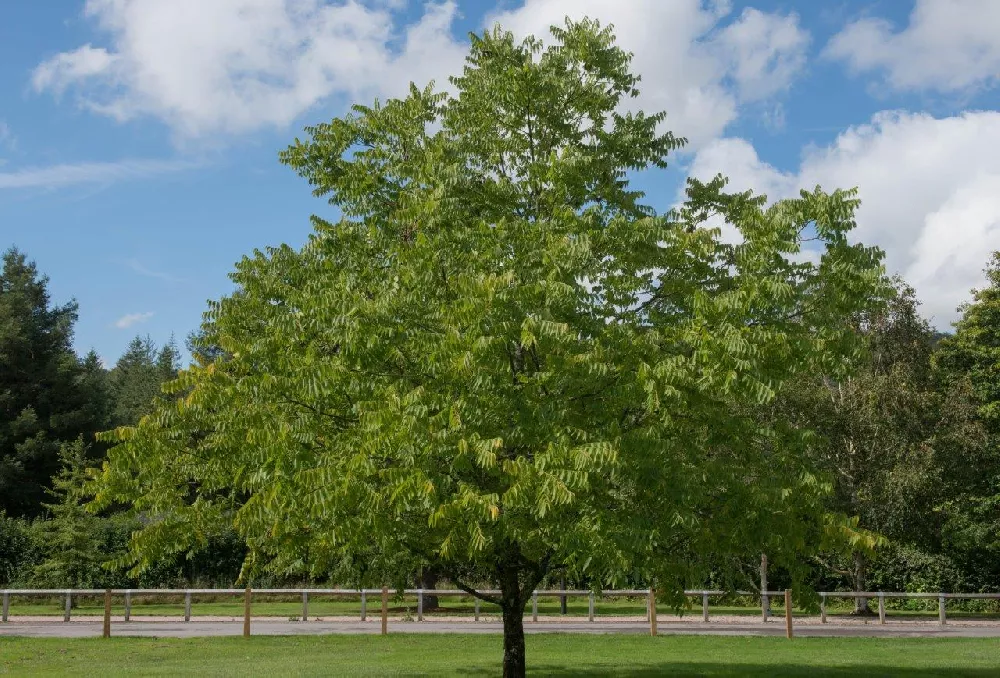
[822,608]
[246,613]
[765,601]
[385,610]
[187,606]
[881,607]
[128,605]
[590,614]
[107,613]
[364,606]
[420,604]
[305,606]
[788,612]
[69,604]
[941,615]
[534,606]
[651,606]
[6,605]
[704,606]
[477,609]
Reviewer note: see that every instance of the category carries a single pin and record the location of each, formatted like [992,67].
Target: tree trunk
[428,580]
[562,599]
[514,665]
[860,571]
[512,600]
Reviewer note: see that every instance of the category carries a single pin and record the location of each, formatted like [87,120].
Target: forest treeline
[909,446]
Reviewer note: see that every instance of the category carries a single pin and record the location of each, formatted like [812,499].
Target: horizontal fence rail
[592,596]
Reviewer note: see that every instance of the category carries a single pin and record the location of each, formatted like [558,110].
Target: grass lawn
[552,655]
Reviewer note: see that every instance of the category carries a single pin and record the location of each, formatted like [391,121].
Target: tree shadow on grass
[727,670]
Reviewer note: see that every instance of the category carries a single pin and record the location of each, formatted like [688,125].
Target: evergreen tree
[71,536]
[47,396]
[137,378]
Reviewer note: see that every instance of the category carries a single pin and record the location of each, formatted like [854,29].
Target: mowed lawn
[548,655]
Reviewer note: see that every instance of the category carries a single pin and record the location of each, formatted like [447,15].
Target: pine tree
[138,376]
[71,535]
[47,396]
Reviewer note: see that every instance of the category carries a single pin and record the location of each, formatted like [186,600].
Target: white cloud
[231,66]
[930,192]
[766,51]
[65,68]
[948,45]
[56,176]
[695,70]
[130,319]
[139,268]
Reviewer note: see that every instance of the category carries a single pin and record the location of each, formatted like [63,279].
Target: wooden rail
[591,596]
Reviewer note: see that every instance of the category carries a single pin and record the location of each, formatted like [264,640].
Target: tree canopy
[499,361]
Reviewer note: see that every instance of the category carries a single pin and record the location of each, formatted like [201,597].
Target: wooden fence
[305,593]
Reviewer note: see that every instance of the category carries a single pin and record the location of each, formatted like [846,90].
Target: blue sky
[139,138]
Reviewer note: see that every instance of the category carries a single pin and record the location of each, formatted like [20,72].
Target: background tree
[71,537]
[969,363]
[895,444]
[47,396]
[501,363]
[18,551]
[137,378]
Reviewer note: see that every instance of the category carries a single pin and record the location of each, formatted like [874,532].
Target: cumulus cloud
[65,68]
[930,192]
[693,65]
[231,66]
[57,176]
[948,45]
[130,319]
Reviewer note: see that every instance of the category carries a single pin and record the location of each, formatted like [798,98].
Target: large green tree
[47,395]
[499,361]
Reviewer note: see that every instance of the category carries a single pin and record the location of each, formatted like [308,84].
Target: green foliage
[973,351]
[47,396]
[70,537]
[969,363]
[505,357]
[897,445]
[499,362]
[18,550]
[137,378]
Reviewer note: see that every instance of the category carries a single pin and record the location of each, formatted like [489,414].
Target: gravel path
[667,624]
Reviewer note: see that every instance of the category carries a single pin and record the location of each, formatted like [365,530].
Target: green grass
[326,606]
[479,655]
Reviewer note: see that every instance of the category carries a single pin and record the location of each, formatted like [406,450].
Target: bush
[19,550]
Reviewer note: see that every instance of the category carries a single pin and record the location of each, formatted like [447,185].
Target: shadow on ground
[729,669]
